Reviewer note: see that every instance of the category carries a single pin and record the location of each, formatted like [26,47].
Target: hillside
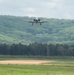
[17,30]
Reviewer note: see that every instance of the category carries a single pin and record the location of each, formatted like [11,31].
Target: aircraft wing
[43,21]
[31,21]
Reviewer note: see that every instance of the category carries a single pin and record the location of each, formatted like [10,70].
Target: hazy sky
[38,8]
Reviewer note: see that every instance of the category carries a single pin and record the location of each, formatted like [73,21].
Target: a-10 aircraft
[37,21]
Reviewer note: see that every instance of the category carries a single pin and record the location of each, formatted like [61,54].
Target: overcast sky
[38,8]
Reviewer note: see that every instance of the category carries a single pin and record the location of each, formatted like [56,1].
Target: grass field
[62,66]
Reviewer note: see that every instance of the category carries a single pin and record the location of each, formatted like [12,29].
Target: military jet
[37,21]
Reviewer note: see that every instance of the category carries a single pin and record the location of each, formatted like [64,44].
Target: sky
[62,9]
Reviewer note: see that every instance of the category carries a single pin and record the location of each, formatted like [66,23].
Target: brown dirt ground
[26,62]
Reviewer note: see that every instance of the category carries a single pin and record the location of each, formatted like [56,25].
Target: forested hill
[17,30]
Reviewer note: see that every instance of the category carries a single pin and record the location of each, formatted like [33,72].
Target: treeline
[37,49]
[15,29]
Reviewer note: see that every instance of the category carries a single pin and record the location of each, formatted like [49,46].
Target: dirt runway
[26,62]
